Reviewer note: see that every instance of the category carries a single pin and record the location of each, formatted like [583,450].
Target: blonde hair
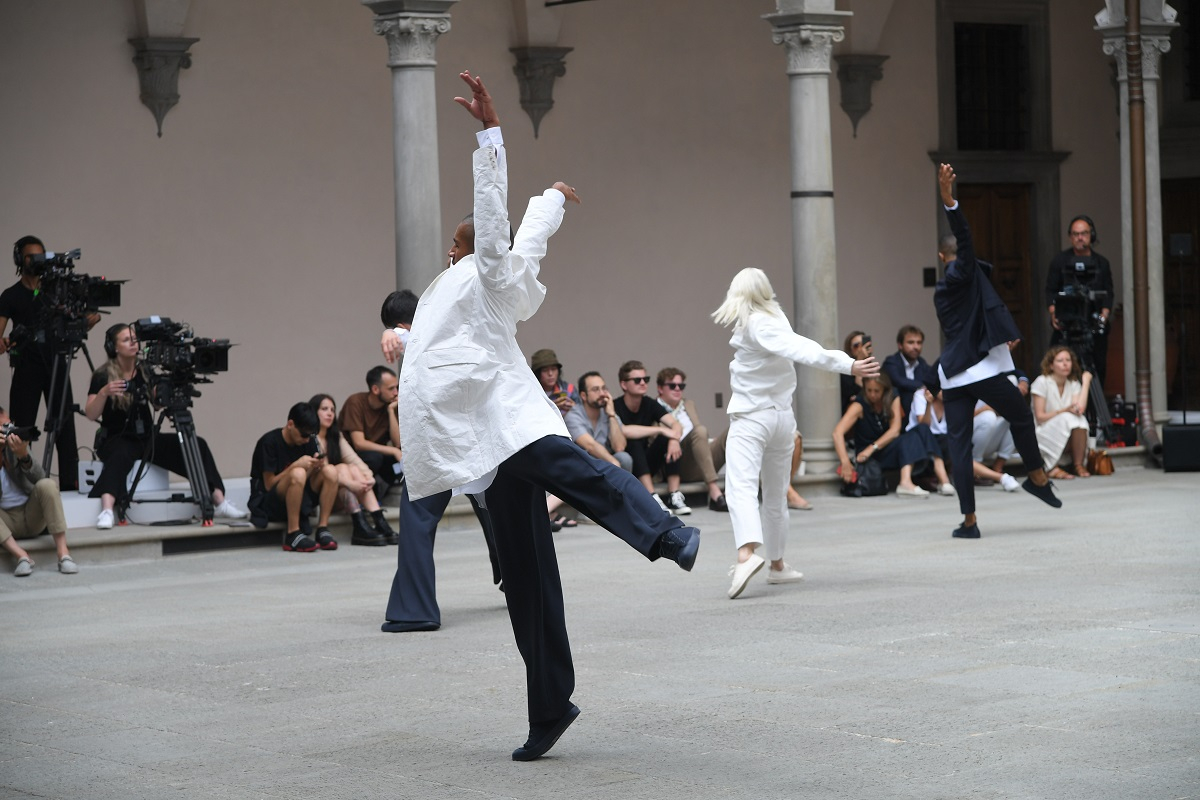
[749,291]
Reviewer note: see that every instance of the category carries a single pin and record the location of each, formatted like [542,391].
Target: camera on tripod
[26,434]
[1077,306]
[69,298]
[176,359]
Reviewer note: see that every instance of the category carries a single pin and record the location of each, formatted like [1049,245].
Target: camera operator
[33,362]
[1080,266]
[119,398]
[29,503]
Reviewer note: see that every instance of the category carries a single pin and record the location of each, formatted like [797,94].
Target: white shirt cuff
[555,196]
[951,208]
[490,136]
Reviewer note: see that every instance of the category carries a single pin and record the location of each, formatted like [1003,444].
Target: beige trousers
[43,512]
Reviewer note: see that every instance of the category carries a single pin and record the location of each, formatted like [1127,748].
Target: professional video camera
[29,434]
[1077,306]
[68,297]
[176,360]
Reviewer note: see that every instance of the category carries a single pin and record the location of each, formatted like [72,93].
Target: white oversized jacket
[762,374]
[468,400]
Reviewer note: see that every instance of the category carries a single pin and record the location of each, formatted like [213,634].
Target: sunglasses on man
[677,387]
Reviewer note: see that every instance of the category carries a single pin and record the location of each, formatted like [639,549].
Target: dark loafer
[1043,493]
[966,532]
[407,627]
[540,743]
[681,546]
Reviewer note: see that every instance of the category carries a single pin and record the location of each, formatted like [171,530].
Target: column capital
[412,28]
[1153,47]
[809,47]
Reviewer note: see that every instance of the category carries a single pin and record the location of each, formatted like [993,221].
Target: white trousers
[759,447]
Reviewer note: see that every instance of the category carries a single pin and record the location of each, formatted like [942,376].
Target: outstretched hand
[480,105]
[946,179]
[568,192]
[865,368]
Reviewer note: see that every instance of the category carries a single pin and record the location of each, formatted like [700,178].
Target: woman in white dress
[1060,396]
[762,426]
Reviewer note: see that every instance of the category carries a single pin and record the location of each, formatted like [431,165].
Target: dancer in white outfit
[762,426]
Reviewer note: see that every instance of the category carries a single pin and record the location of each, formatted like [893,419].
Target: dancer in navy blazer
[976,359]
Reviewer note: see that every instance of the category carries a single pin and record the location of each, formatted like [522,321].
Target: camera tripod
[1082,345]
[60,380]
[185,429]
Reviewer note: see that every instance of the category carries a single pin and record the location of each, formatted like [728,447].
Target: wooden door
[999,216]
[1181,291]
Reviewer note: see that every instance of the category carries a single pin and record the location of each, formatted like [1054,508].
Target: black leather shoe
[540,742]
[1043,493]
[408,627]
[966,532]
[362,533]
[718,505]
[379,523]
[681,546]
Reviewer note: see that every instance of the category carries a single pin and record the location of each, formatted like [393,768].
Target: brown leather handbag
[1099,462]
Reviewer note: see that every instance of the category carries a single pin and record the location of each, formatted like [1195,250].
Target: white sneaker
[946,490]
[676,504]
[1008,483]
[916,491]
[785,575]
[105,520]
[743,572]
[660,502]
[227,510]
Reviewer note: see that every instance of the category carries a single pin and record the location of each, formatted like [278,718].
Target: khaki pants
[698,460]
[43,512]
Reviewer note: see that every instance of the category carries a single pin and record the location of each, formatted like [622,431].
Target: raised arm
[966,259]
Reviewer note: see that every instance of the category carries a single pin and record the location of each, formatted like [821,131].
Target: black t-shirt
[648,413]
[21,306]
[273,453]
[136,420]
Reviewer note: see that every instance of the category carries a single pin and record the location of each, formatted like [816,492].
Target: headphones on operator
[110,338]
[20,245]
[1088,220]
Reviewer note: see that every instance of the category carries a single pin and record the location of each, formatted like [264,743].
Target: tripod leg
[185,428]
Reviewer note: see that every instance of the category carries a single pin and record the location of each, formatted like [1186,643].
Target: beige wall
[265,212]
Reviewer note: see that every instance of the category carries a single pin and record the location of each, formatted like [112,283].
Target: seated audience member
[29,505]
[546,367]
[992,443]
[369,421]
[397,314]
[906,369]
[929,409]
[874,421]
[858,346]
[1060,397]
[288,476]
[697,455]
[651,445]
[119,398]
[355,479]
[594,425]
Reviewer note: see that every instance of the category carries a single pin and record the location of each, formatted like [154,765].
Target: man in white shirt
[475,419]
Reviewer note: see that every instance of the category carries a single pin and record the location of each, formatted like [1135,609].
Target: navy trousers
[516,502]
[1008,402]
[414,588]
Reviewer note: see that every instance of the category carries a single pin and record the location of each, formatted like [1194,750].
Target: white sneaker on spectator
[676,504]
[915,491]
[660,502]
[1008,483]
[105,520]
[227,510]
[946,490]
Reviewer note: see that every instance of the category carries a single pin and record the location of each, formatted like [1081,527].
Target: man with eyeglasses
[594,425]
[1080,264]
[697,458]
[652,436]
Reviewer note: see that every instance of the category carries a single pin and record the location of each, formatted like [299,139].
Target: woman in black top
[119,398]
[874,419]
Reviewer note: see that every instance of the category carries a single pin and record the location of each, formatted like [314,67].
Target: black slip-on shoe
[966,532]
[540,743]
[680,545]
[1043,493]
[408,627]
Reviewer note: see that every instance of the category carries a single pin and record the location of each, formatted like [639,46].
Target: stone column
[1155,41]
[808,29]
[412,28]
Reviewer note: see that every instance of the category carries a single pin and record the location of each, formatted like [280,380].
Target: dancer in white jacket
[762,426]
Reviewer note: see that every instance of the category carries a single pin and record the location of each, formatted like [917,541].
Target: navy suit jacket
[924,375]
[974,319]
